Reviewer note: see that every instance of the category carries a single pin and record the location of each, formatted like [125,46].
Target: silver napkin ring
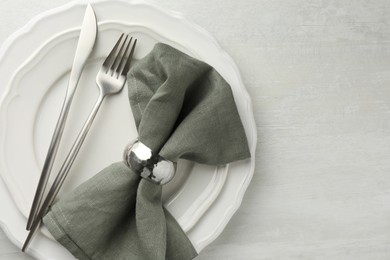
[147,164]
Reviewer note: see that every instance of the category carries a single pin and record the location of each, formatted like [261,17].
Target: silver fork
[111,78]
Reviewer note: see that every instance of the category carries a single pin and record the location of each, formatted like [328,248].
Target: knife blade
[84,48]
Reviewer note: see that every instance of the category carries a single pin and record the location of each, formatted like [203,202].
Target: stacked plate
[35,63]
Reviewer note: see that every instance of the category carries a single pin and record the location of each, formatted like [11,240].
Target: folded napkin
[183,109]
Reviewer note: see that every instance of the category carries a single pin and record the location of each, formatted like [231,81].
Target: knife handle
[51,154]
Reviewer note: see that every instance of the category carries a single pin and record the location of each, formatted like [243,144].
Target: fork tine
[110,58]
[129,58]
[124,57]
[119,56]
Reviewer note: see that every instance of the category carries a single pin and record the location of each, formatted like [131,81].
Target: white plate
[35,63]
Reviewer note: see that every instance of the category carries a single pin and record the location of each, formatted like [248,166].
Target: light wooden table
[318,72]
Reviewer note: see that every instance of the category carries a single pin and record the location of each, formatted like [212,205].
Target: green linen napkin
[183,109]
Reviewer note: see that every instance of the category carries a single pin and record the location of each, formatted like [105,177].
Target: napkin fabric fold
[183,108]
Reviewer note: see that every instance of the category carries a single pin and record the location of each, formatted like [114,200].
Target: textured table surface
[318,72]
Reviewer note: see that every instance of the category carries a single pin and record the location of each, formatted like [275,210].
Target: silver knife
[84,48]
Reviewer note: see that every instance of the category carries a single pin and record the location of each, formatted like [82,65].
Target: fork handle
[60,178]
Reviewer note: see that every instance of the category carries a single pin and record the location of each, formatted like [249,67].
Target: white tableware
[202,198]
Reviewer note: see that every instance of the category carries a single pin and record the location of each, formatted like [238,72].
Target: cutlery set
[110,79]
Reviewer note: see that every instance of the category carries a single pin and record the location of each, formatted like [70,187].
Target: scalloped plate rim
[30,25]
